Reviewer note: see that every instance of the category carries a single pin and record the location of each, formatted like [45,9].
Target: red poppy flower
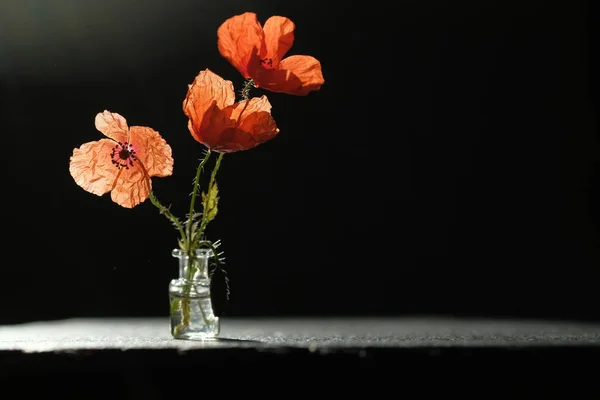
[257,53]
[221,124]
[123,163]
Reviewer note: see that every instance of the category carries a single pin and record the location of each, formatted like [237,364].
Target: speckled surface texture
[137,359]
[323,334]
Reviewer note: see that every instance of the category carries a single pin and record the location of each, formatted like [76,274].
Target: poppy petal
[91,166]
[298,75]
[240,39]
[244,125]
[206,95]
[152,150]
[279,38]
[255,118]
[112,125]
[132,187]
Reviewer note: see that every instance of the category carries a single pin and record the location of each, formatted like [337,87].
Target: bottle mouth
[200,253]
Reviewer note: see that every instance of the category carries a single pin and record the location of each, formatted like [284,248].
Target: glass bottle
[192,315]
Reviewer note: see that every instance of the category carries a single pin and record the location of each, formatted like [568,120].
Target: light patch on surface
[318,334]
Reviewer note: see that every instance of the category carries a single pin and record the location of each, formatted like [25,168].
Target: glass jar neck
[193,267]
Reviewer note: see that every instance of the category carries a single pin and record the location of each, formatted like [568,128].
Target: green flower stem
[245,92]
[193,200]
[164,210]
[186,239]
[185,305]
[204,220]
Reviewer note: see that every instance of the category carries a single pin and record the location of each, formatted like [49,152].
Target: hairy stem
[193,200]
[245,92]
[204,220]
[190,248]
[163,210]
[185,305]
[192,264]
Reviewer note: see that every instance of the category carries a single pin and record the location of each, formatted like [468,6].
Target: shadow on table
[222,340]
[236,341]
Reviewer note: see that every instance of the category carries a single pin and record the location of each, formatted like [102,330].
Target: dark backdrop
[449,165]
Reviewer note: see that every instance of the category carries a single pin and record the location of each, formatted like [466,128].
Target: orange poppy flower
[123,163]
[257,53]
[221,124]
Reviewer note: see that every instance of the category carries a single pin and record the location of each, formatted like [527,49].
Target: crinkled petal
[91,166]
[205,96]
[296,75]
[112,125]
[279,38]
[243,126]
[240,39]
[132,187]
[152,150]
[209,132]
[254,116]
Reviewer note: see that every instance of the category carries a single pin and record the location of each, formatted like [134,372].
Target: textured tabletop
[137,358]
[320,335]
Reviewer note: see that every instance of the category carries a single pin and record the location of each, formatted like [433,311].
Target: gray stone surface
[319,334]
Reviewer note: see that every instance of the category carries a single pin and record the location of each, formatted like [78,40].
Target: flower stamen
[267,62]
[123,155]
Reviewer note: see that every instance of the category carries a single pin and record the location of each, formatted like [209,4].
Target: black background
[449,164]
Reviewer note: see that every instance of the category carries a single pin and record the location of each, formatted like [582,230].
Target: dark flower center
[267,62]
[123,155]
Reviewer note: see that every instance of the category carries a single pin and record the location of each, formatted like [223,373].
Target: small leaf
[211,200]
[195,227]
[212,213]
